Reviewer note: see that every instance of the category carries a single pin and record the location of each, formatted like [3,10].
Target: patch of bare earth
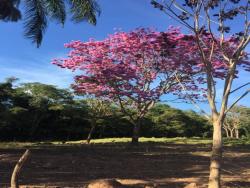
[164,165]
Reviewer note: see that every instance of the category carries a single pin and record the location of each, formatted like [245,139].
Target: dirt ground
[167,165]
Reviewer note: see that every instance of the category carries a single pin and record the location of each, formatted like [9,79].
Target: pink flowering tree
[134,69]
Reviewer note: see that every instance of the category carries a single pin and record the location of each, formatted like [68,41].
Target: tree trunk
[93,126]
[17,169]
[216,156]
[231,133]
[227,133]
[136,133]
[237,135]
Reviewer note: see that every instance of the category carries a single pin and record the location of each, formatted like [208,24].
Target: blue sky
[20,58]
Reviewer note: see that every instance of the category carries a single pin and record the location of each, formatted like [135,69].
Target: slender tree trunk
[93,126]
[136,133]
[17,169]
[237,135]
[231,133]
[216,157]
[227,133]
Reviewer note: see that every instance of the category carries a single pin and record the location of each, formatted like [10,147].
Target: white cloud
[35,70]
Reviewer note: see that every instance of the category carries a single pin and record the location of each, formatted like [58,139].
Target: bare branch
[245,41]
[17,169]
[124,110]
[191,100]
[241,97]
[177,6]
[175,16]
[239,87]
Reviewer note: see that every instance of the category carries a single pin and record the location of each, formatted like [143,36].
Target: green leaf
[84,10]
[9,10]
[35,20]
[56,10]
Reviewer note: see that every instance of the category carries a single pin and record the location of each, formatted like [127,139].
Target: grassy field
[177,140]
[168,162]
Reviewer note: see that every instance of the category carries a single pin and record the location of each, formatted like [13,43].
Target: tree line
[36,111]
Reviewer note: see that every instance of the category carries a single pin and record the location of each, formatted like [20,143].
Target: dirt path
[168,165]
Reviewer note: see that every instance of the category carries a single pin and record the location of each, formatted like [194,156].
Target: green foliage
[56,10]
[237,122]
[35,111]
[9,10]
[172,122]
[83,10]
[244,117]
[38,12]
[35,20]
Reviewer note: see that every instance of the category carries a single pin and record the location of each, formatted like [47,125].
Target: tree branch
[239,87]
[17,169]
[124,111]
[191,100]
[242,96]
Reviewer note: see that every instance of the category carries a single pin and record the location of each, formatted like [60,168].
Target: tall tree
[131,69]
[42,99]
[38,12]
[202,18]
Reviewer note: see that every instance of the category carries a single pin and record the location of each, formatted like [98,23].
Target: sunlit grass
[177,140]
[232,142]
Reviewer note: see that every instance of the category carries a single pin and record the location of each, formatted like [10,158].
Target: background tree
[202,18]
[197,125]
[65,118]
[245,120]
[237,121]
[35,111]
[131,69]
[6,94]
[232,123]
[12,106]
[43,100]
[171,122]
[38,12]
[6,97]
[69,122]
[98,109]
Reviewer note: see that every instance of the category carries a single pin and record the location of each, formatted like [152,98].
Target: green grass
[178,140]
[233,142]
